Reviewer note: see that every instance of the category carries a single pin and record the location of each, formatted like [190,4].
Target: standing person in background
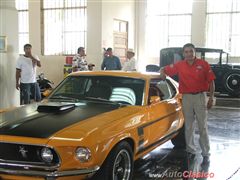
[79,61]
[130,63]
[26,76]
[195,79]
[111,62]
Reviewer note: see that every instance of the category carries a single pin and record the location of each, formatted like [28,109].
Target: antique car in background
[93,124]
[227,74]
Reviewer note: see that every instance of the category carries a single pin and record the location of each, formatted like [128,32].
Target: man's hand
[17,86]
[210,102]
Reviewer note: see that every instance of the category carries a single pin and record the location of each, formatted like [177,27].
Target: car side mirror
[154,99]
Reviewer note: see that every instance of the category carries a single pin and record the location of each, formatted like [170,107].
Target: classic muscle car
[92,125]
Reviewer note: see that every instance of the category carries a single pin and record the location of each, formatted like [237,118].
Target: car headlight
[83,154]
[46,155]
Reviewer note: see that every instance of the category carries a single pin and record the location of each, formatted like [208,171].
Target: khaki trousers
[194,108]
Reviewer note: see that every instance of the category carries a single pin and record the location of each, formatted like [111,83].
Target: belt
[194,93]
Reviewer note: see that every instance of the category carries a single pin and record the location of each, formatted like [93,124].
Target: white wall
[9,96]
[100,15]
[121,10]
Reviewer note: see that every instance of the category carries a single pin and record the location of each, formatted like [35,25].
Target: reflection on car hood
[27,121]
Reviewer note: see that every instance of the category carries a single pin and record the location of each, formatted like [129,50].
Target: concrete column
[199,22]
[9,96]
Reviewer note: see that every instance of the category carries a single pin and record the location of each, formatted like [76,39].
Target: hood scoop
[52,107]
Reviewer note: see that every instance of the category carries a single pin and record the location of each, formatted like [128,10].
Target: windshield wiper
[61,97]
[105,101]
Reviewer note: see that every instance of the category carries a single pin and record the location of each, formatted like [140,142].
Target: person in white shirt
[26,76]
[130,63]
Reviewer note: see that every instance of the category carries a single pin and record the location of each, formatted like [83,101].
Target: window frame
[63,50]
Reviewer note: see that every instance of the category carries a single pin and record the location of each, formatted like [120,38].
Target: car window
[162,88]
[109,88]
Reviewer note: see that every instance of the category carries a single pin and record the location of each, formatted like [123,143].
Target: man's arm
[211,94]
[35,61]
[18,75]
[162,73]
[119,64]
[103,64]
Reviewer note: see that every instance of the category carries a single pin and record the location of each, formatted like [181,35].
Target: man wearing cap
[111,62]
[195,79]
[130,63]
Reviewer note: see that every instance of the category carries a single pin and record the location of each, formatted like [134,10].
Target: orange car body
[144,127]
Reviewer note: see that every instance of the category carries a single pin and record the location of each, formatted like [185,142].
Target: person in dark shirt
[111,62]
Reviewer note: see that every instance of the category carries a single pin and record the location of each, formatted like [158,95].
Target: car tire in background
[179,140]
[118,165]
[231,82]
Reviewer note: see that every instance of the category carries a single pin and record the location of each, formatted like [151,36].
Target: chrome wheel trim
[122,166]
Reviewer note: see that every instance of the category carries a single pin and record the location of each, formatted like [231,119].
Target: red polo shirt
[192,78]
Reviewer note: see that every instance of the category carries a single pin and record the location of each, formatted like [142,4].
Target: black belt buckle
[194,93]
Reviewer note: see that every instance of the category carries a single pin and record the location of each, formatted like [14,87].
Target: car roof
[198,49]
[130,74]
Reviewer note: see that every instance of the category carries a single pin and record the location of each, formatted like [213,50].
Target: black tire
[179,140]
[118,165]
[231,82]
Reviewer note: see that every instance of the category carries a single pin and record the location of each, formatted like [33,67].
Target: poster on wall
[3,43]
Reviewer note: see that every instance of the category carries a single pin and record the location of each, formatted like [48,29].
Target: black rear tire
[118,165]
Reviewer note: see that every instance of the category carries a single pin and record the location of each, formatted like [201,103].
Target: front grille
[27,154]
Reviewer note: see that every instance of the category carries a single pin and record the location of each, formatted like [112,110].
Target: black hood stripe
[44,125]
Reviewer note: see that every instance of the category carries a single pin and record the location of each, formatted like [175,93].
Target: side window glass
[163,89]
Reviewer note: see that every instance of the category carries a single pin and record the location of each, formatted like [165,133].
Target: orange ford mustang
[93,125]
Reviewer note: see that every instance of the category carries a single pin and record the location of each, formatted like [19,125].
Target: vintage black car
[227,75]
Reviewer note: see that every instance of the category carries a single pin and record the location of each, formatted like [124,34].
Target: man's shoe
[206,160]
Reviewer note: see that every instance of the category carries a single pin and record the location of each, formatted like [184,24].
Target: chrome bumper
[48,174]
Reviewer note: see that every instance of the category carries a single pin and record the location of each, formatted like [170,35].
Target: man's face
[109,53]
[27,50]
[189,53]
[82,52]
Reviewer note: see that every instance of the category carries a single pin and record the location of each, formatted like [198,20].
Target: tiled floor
[224,132]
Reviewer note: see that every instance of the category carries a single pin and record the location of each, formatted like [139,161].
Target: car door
[162,115]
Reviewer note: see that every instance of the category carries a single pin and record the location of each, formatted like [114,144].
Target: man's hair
[109,49]
[27,46]
[80,49]
[188,45]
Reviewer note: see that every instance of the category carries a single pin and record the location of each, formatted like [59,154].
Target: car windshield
[103,89]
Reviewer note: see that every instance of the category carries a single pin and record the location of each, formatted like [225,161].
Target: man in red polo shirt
[195,79]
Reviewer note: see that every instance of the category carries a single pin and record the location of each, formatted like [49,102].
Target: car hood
[29,121]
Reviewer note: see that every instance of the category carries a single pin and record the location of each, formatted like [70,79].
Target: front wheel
[118,165]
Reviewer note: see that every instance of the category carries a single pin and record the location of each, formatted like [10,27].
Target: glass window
[23,24]
[223,28]
[64,26]
[162,24]
[100,88]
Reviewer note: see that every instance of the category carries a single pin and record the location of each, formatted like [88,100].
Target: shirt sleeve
[209,73]
[19,65]
[119,64]
[171,69]
[36,57]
